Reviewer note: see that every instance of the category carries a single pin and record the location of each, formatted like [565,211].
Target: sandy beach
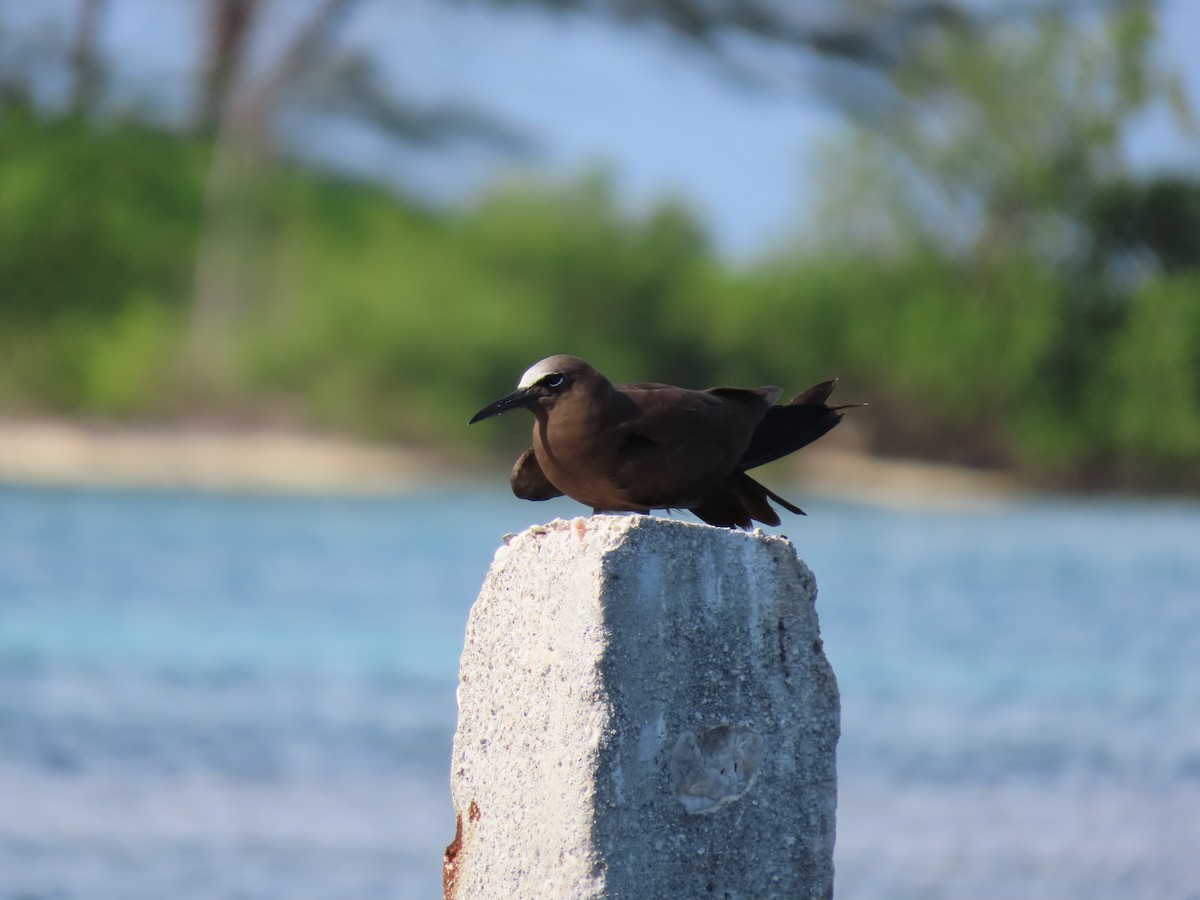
[58,452]
[66,452]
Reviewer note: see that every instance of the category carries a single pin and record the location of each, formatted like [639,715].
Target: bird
[638,447]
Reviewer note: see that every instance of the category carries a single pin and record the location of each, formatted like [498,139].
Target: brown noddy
[638,447]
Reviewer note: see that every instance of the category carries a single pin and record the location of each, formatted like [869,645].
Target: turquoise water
[236,697]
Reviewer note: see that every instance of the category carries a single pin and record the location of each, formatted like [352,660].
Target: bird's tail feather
[785,429]
[739,502]
[789,506]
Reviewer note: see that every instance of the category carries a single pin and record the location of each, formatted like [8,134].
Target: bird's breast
[580,458]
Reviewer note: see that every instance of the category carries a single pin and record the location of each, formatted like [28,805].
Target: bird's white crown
[535,373]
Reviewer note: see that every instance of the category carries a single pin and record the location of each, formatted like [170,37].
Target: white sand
[60,452]
[46,451]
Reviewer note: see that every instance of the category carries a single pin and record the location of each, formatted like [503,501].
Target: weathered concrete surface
[645,712]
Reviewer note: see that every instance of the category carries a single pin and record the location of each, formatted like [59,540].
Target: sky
[659,117]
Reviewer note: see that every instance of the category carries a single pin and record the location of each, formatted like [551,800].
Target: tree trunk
[231,243]
[86,71]
[230,25]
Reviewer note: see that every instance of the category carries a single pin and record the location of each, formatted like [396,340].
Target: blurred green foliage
[96,228]
[378,317]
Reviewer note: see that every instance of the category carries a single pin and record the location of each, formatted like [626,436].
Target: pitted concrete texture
[645,712]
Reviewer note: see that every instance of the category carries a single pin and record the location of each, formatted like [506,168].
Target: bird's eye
[553,381]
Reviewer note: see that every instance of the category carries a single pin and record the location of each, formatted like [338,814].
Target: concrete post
[645,712]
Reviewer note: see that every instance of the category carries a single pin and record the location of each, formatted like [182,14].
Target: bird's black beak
[518,398]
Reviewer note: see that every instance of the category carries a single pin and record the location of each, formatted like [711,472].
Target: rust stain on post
[450,857]
[449,866]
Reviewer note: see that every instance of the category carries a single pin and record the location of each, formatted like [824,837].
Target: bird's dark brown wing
[740,500]
[785,429]
[682,443]
[528,480]
[752,398]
